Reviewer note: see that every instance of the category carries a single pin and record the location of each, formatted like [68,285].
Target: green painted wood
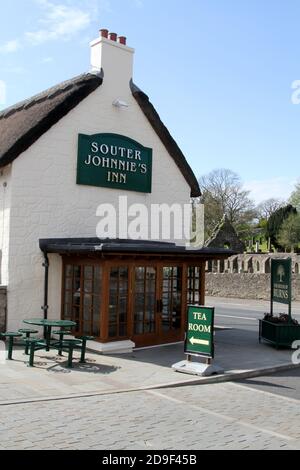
[114,161]
[199,335]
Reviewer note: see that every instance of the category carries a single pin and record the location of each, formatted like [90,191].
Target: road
[245,313]
[260,413]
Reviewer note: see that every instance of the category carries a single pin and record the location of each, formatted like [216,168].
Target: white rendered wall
[5,201]
[47,203]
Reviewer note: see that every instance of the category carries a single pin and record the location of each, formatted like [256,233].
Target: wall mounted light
[120,104]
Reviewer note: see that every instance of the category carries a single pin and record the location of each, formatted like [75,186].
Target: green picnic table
[35,344]
[48,325]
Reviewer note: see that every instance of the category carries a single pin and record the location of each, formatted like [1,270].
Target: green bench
[68,345]
[10,335]
[27,332]
[61,334]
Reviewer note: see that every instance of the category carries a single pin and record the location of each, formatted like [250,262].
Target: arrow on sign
[199,341]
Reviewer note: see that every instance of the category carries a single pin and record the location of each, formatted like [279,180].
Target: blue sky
[219,72]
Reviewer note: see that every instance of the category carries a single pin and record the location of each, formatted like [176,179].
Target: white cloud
[10,46]
[278,188]
[59,22]
[138,3]
[47,60]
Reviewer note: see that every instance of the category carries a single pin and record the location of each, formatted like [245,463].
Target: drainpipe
[45,307]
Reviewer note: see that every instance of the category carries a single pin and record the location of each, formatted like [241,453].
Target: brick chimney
[110,53]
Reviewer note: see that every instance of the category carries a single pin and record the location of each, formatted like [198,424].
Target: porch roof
[96,246]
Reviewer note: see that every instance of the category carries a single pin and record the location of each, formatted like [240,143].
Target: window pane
[67,311]
[88,286]
[139,274]
[77,271]
[97,280]
[68,297]
[112,331]
[96,329]
[86,328]
[114,273]
[96,304]
[88,272]
[69,270]
[112,315]
[138,329]
[80,304]
[123,330]
[76,285]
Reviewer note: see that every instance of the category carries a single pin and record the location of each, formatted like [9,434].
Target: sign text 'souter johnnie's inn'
[114,161]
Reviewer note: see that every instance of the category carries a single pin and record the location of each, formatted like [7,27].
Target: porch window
[82,297]
[194,285]
[118,303]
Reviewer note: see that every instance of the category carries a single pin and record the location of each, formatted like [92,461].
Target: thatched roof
[23,124]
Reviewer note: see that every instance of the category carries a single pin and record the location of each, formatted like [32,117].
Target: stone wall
[244,285]
[251,263]
[2,308]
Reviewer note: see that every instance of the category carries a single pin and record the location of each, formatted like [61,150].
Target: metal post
[46,287]
[48,337]
[27,344]
[60,346]
[10,347]
[31,357]
[83,350]
[70,356]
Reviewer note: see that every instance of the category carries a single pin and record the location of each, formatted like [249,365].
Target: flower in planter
[280,318]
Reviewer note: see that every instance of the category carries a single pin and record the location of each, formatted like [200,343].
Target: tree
[266,208]
[275,223]
[295,197]
[223,194]
[289,233]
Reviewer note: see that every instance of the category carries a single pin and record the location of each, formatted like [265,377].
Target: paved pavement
[216,416]
[237,351]
[109,403]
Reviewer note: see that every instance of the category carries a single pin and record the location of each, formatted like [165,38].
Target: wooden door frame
[146,339]
[131,263]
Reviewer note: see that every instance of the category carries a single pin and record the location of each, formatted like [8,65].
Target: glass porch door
[170,327]
[144,305]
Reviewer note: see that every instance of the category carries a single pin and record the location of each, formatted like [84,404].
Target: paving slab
[237,352]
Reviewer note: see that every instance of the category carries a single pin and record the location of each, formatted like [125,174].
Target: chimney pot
[113,36]
[104,33]
[122,40]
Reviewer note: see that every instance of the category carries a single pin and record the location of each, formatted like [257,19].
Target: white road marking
[257,308]
[222,416]
[270,394]
[240,318]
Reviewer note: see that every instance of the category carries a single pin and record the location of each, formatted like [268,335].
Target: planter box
[279,334]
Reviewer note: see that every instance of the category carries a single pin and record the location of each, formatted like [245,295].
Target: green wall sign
[281,272]
[114,161]
[200,330]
